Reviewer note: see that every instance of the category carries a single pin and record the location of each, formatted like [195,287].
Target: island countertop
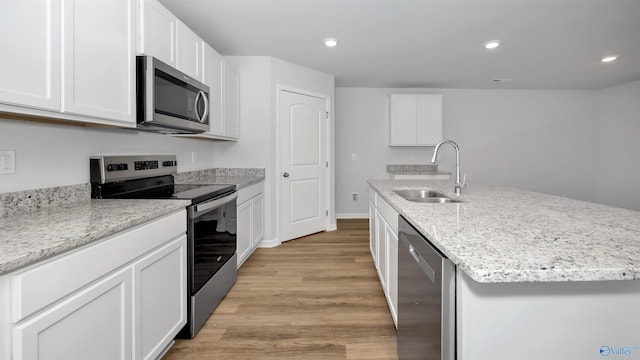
[500,234]
[29,237]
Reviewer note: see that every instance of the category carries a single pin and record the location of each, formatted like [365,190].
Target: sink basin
[425,196]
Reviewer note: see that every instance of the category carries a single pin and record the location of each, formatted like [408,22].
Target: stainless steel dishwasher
[426,298]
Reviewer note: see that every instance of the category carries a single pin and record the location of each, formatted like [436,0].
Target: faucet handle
[464,180]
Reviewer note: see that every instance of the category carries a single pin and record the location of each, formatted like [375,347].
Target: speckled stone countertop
[29,237]
[508,235]
[412,168]
[240,177]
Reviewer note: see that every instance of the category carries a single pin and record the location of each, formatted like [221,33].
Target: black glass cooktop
[161,187]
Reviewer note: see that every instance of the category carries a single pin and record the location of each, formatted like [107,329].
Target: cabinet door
[188,46]
[403,117]
[157,32]
[429,124]
[257,220]
[231,101]
[415,119]
[212,77]
[244,231]
[160,298]
[94,323]
[392,273]
[373,246]
[381,249]
[99,59]
[30,53]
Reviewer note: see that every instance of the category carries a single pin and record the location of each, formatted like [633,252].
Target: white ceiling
[546,44]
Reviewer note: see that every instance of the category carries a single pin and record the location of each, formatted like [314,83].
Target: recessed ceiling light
[492,44]
[331,42]
[609,58]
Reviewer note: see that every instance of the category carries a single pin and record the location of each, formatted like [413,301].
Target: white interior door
[304,169]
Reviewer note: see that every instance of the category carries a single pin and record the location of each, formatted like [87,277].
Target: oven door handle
[214,203]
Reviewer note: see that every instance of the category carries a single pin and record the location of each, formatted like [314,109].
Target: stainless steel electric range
[211,223]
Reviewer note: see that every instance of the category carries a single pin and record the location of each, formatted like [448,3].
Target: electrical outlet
[7,162]
[354,196]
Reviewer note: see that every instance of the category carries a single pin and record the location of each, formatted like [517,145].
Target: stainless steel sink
[425,196]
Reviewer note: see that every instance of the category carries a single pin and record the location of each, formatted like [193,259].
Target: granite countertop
[242,178]
[500,234]
[414,169]
[29,237]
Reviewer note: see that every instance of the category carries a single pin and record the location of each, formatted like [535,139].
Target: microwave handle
[202,95]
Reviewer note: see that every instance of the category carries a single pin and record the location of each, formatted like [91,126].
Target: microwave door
[168,100]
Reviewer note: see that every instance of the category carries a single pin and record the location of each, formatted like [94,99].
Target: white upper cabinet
[71,59]
[30,53]
[415,119]
[231,101]
[157,31]
[99,59]
[188,49]
[212,76]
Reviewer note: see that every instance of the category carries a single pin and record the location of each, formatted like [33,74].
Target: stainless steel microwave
[168,101]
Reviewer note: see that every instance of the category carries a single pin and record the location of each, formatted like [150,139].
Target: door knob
[286,174]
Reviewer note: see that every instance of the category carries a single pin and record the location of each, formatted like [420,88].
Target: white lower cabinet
[250,220]
[383,243]
[244,231]
[392,272]
[373,245]
[123,297]
[381,261]
[257,220]
[161,285]
[95,323]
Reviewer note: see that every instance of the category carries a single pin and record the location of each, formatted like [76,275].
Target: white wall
[537,140]
[52,154]
[259,79]
[619,146]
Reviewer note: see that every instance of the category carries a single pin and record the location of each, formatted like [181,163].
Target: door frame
[327,174]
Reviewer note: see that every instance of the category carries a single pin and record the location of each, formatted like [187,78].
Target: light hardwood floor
[317,297]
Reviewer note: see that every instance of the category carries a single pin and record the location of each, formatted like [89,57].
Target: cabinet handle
[286,174]
[422,263]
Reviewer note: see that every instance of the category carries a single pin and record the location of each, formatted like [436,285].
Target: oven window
[214,243]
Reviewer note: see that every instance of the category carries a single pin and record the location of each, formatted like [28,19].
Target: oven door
[212,235]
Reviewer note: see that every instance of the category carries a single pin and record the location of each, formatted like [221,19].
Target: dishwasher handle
[422,263]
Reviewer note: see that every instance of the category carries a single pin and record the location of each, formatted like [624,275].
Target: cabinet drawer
[250,192]
[389,214]
[43,284]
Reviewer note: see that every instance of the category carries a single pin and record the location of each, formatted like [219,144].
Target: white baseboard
[352,216]
[332,227]
[269,243]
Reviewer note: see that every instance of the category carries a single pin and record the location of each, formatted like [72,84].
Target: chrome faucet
[458,185]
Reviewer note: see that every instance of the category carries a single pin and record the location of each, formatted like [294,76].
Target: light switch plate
[7,162]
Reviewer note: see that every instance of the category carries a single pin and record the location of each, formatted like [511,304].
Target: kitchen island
[538,276]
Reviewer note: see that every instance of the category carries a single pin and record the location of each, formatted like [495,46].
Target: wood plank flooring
[317,297]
